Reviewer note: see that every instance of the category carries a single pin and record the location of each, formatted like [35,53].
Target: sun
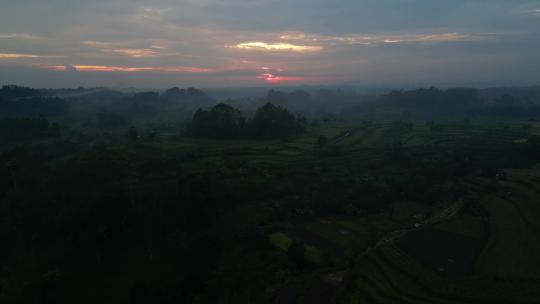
[273,79]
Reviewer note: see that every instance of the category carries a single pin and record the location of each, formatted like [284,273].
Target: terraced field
[351,147]
[463,259]
[420,253]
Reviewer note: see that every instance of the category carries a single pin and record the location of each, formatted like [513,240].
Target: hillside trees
[226,122]
[34,106]
[107,120]
[15,129]
[272,121]
[222,121]
[13,91]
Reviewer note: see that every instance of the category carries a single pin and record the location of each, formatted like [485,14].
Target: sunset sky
[243,43]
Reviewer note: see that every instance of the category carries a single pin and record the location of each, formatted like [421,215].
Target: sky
[257,43]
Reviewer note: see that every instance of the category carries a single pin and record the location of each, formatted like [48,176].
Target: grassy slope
[513,250]
[507,270]
[386,275]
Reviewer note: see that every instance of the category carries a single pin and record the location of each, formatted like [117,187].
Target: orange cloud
[18,56]
[105,68]
[54,67]
[134,53]
[115,47]
[279,47]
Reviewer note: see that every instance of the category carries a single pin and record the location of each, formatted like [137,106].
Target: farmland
[435,256]
[385,211]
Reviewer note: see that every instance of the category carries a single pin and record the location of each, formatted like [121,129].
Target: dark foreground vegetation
[424,196]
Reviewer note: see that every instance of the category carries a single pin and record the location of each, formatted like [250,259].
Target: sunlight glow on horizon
[274,79]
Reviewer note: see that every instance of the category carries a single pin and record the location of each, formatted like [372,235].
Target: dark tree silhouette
[322,141]
[133,134]
[222,121]
[297,254]
[272,121]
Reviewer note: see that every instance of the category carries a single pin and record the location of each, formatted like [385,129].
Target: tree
[13,91]
[27,128]
[467,124]
[133,134]
[222,121]
[272,121]
[55,129]
[297,254]
[506,100]
[110,120]
[225,122]
[322,141]
[139,293]
[175,93]
[34,106]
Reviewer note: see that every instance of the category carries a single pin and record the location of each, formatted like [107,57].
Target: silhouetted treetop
[273,121]
[34,106]
[13,91]
[175,92]
[222,121]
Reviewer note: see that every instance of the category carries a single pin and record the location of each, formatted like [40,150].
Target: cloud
[57,68]
[62,68]
[277,47]
[275,76]
[349,40]
[69,68]
[22,36]
[445,37]
[20,56]
[133,49]
[115,47]
[300,42]
[358,39]
[151,13]
[135,53]
[104,68]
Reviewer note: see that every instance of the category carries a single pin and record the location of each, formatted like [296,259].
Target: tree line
[22,101]
[15,129]
[225,122]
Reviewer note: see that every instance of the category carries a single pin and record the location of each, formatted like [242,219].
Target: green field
[506,270]
[386,213]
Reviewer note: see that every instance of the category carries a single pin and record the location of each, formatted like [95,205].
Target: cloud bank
[228,43]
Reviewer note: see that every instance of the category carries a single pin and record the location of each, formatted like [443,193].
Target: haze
[240,43]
